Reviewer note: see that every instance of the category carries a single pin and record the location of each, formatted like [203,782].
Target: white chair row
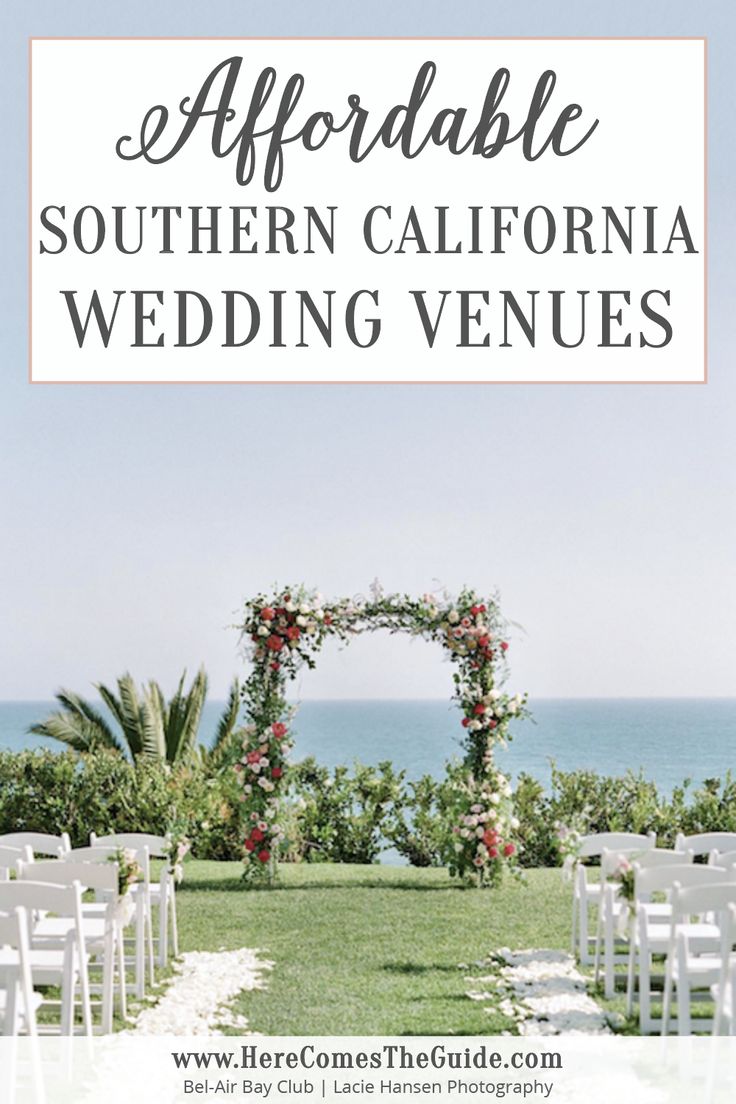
[587,893]
[66,936]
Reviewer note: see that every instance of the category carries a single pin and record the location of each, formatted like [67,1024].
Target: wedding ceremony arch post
[284,633]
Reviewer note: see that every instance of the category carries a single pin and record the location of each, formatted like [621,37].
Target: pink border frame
[371,38]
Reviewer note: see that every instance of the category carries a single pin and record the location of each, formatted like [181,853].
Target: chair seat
[700,936]
[59,928]
[706,967]
[47,967]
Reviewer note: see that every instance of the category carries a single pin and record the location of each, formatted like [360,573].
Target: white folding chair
[587,893]
[613,906]
[9,859]
[40,843]
[100,853]
[702,843]
[162,894]
[649,936]
[686,970]
[18,1001]
[63,965]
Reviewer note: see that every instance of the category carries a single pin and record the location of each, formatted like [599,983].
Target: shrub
[338,817]
[102,792]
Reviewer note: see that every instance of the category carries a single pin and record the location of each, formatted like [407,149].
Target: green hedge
[338,815]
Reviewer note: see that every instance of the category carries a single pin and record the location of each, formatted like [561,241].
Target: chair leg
[84,995]
[163,929]
[174,926]
[149,940]
[598,937]
[630,973]
[67,991]
[583,921]
[645,996]
[121,968]
[667,997]
[108,981]
[574,926]
[140,948]
[609,949]
[684,1025]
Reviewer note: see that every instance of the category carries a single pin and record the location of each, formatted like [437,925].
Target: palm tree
[149,726]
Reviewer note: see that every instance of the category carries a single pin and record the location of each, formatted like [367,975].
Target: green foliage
[342,815]
[150,727]
[338,816]
[418,828]
[103,792]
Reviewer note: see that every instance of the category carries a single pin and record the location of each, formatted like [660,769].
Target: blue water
[670,739]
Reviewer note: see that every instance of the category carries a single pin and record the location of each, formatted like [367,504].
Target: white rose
[492,814]
[301,621]
[480,832]
[514,822]
[290,607]
[494,799]
[304,609]
[319,614]
[458,847]
[453,617]
[464,833]
[474,726]
[512,707]
[262,630]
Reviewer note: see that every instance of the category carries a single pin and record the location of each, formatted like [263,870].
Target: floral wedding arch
[284,632]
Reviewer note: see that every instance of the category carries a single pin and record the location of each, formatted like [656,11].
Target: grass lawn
[368,950]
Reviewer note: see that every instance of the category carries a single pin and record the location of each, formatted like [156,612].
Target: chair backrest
[661,879]
[10,857]
[591,846]
[101,853]
[694,900]
[88,875]
[726,859]
[64,900]
[158,846]
[41,843]
[653,856]
[704,842]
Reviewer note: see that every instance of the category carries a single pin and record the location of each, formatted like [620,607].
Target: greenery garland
[285,632]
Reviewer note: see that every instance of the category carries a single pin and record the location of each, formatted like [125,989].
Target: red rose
[256,835]
[465,722]
[475,610]
[249,845]
[275,666]
[264,856]
[268,613]
[479,709]
[492,724]
[504,646]
[483,641]
[275,643]
[493,853]
[276,772]
[328,619]
[481,609]
[509,849]
[279,730]
[490,839]
[293,632]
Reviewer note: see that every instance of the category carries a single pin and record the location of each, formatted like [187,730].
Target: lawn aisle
[368,949]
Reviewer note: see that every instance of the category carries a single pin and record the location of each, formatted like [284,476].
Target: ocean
[669,739]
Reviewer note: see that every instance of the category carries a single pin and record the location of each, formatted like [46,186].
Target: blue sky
[135,520]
